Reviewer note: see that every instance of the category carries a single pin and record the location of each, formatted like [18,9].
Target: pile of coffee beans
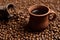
[13,29]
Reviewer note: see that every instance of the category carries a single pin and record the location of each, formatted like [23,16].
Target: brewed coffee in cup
[40,10]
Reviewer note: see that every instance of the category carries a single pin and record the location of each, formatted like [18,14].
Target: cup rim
[36,6]
[9,4]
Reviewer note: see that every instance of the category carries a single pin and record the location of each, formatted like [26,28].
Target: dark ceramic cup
[39,17]
[3,13]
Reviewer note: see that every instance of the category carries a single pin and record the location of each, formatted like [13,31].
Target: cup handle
[54,15]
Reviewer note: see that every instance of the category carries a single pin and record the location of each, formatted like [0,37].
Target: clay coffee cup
[39,17]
